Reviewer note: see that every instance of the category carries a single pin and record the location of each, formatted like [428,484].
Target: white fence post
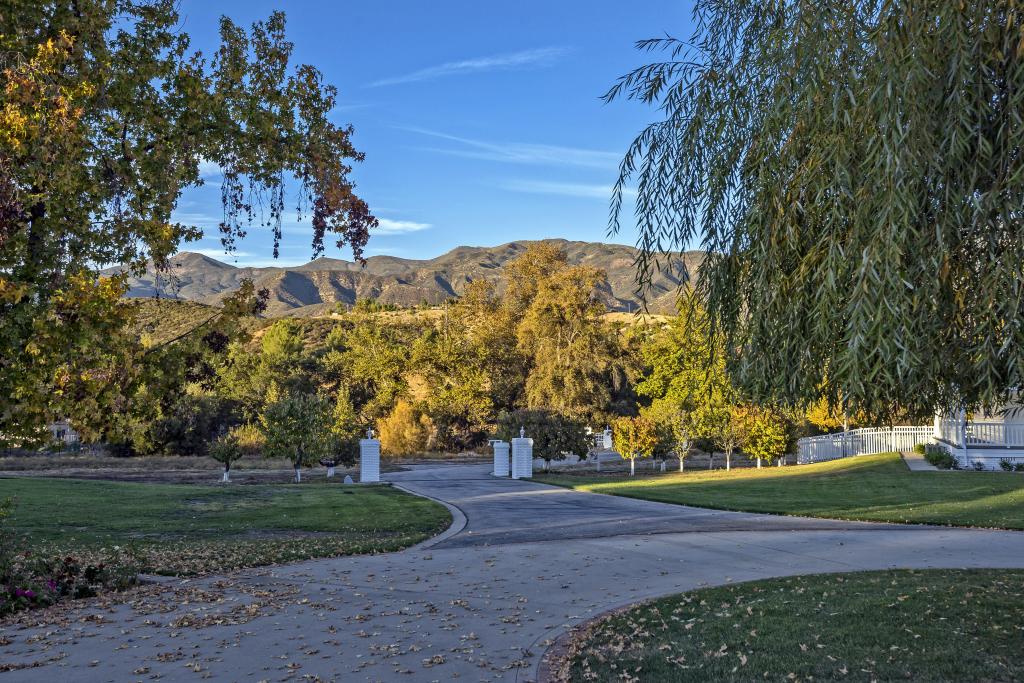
[369,460]
[500,458]
[522,458]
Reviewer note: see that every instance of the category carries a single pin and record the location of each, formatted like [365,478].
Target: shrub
[554,435]
[28,581]
[919,448]
[1006,465]
[405,430]
[940,458]
[1019,467]
[978,466]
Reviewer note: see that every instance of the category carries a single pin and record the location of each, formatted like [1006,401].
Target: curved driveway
[480,605]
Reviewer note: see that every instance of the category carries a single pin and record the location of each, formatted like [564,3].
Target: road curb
[457,525]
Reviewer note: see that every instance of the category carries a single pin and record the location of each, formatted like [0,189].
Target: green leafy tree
[555,436]
[766,437]
[225,450]
[634,437]
[728,427]
[299,427]
[570,348]
[371,358]
[854,171]
[687,381]
[106,116]
[675,429]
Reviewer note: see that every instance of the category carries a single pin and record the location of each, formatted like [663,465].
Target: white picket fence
[862,441]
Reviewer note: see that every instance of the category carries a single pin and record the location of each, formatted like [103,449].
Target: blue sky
[481,121]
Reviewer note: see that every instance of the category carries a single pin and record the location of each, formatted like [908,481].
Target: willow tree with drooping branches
[853,170]
[106,116]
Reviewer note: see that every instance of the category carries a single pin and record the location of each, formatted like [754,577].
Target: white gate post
[522,457]
[500,458]
[369,459]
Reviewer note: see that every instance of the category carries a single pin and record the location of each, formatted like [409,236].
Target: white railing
[997,434]
[862,441]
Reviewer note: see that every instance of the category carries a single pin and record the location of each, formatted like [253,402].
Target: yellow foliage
[405,430]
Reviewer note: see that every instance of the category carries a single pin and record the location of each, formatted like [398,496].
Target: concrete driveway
[479,605]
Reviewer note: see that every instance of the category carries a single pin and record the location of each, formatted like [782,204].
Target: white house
[985,439]
[62,432]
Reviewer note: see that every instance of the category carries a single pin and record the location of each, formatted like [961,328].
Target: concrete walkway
[916,462]
[481,605]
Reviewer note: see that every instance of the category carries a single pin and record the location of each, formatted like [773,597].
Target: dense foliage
[106,117]
[853,169]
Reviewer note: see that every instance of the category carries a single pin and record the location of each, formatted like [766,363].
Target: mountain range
[322,283]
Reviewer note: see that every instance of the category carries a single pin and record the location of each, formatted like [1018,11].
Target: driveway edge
[457,525]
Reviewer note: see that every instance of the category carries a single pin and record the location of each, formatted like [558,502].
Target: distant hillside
[406,282]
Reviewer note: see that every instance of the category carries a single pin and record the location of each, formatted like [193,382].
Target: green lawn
[935,625]
[188,529]
[869,487]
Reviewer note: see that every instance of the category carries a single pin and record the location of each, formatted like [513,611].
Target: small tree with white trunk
[634,437]
[299,427]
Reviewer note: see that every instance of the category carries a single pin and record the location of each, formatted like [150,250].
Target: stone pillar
[500,458]
[522,458]
[369,460]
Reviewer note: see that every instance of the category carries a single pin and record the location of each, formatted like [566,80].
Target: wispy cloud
[209,169]
[386,226]
[523,152]
[582,190]
[542,56]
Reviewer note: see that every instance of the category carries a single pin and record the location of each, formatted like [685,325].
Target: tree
[675,429]
[554,436]
[105,118]
[728,427]
[687,380]
[370,358]
[570,348]
[406,430]
[853,170]
[224,449]
[634,437]
[765,437]
[299,427]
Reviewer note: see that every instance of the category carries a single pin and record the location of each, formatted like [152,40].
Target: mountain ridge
[402,281]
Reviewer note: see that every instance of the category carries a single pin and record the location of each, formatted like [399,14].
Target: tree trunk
[759,463]
[711,460]
[728,461]
[330,472]
[632,467]
[663,465]
[227,473]
[681,465]
[298,474]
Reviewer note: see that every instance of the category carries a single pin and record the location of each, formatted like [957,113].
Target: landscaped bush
[406,430]
[940,458]
[29,581]
[919,448]
[1008,466]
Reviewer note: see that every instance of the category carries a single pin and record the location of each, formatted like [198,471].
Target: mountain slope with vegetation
[404,282]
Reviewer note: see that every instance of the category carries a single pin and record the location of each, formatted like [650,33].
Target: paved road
[480,605]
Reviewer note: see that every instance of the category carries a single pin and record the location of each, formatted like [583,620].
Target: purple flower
[51,584]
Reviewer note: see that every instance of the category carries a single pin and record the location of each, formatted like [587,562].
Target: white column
[369,460]
[522,458]
[500,458]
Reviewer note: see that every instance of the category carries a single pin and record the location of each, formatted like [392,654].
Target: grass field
[869,487]
[190,529]
[936,625]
